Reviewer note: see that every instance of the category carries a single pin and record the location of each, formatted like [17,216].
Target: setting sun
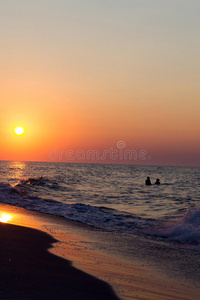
[19,130]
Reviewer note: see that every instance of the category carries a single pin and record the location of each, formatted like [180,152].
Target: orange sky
[84,77]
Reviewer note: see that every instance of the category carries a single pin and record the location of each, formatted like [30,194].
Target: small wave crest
[37,182]
[33,181]
[6,189]
[185,231]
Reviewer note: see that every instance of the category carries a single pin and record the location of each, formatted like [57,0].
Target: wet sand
[29,271]
[130,280]
[64,264]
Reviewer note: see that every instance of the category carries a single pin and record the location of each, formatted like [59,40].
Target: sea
[114,199]
[109,197]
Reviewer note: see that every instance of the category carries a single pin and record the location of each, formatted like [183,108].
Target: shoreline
[129,279]
[29,271]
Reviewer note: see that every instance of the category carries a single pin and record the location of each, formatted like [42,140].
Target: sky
[105,81]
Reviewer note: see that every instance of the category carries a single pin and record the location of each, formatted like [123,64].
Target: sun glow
[19,130]
[4,218]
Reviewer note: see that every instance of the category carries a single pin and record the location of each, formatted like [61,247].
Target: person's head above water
[157,181]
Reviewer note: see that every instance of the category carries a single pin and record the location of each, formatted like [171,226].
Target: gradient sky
[84,75]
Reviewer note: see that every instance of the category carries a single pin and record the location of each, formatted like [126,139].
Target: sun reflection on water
[5,218]
[16,171]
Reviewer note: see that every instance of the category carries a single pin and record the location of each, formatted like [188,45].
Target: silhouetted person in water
[148,181]
[157,181]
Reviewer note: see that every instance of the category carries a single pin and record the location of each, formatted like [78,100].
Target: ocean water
[111,198]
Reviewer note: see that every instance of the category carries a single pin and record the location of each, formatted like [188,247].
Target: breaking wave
[185,231]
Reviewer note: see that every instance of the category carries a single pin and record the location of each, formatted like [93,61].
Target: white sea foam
[186,230]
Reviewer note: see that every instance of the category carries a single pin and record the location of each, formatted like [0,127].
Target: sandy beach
[32,269]
[29,271]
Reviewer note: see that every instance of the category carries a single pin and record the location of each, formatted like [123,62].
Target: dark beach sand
[29,271]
